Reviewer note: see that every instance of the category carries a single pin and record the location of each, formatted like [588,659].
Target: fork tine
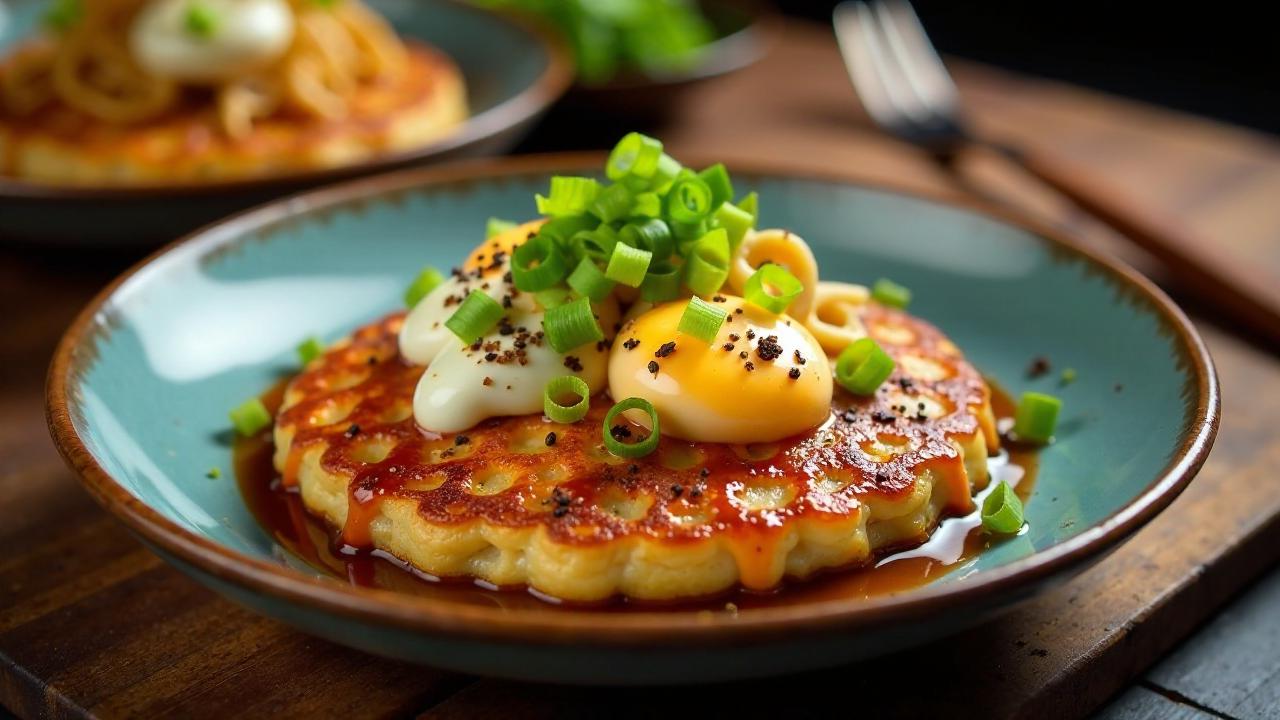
[872,67]
[922,67]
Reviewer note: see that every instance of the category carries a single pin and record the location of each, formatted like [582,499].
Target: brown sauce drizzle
[279,510]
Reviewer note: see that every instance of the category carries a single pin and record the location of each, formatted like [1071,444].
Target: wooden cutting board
[92,624]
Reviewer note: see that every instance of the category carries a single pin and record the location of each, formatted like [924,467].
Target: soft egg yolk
[762,378]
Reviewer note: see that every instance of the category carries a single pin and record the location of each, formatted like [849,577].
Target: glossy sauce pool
[281,514]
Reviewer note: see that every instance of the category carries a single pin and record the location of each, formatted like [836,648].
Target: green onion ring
[571,325]
[564,385]
[863,366]
[701,319]
[538,264]
[631,450]
[769,274]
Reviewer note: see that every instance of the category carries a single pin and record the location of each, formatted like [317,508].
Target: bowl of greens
[633,56]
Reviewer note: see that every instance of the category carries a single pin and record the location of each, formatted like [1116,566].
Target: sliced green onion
[863,366]
[701,319]
[1036,417]
[636,449]
[613,203]
[429,279]
[751,203]
[890,293]
[538,264]
[568,196]
[597,244]
[476,316]
[559,387]
[1002,510]
[310,349]
[62,15]
[689,201]
[647,205]
[553,297]
[653,235]
[250,417]
[717,178]
[201,21]
[736,222]
[708,264]
[661,283]
[562,232]
[686,233]
[497,226]
[571,325]
[668,169]
[588,281]
[772,287]
[635,156]
[628,265]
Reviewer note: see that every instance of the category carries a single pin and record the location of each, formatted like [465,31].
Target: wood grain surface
[91,624]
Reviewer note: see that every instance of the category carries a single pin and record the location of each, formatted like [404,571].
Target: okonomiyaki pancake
[57,145]
[524,501]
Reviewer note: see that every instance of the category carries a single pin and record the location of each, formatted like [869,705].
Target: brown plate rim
[526,105]
[640,627]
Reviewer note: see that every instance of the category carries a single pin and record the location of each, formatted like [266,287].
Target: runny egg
[762,378]
[507,370]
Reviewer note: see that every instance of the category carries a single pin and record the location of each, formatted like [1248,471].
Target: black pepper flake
[794,374]
[505,328]
[768,348]
[475,346]
[1039,366]
[560,511]
[487,381]
[737,311]
[631,343]
[718,298]
[735,337]
[352,431]
[573,363]
[551,439]
[882,477]
[799,358]
[653,367]
[490,357]
[751,334]
[883,416]
[849,416]
[728,347]
[373,360]
[506,277]
[620,432]
[665,349]
[906,383]
[743,354]
[561,496]
[677,490]
[634,469]
[704,472]
[749,366]
[462,440]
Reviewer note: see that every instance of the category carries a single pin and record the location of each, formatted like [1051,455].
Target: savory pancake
[522,500]
[56,145]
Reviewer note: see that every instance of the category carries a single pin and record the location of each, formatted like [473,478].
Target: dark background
[1216,59]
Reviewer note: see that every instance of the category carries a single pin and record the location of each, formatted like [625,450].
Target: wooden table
[93,624]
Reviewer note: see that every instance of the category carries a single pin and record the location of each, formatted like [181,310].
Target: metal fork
[906,90]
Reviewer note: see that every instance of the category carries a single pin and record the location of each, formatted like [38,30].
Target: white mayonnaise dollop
[243,35]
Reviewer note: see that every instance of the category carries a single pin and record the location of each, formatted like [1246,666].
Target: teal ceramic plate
[514,71]
[140,388]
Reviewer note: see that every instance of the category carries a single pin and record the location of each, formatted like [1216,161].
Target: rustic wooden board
[93,624]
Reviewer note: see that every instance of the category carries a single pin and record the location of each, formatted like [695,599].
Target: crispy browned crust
[574,487]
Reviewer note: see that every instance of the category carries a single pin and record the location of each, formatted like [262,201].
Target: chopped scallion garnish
[201,21]
[553,297]
[588,281]
[571,325]
[863,366]
[701,319]
[628,265]
[568,196]
[707,266]
[475,316]
[689,201]
[429,279]
[635,157]
[612,203]
[538,264]
[717,179]
[890,293]
[1002,510]
[653,235]
[310,349]
[497,226]
[736,222]
[639,448]
[557,389]
[661,283]
[772,287]
[1036,417]
[250,417]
